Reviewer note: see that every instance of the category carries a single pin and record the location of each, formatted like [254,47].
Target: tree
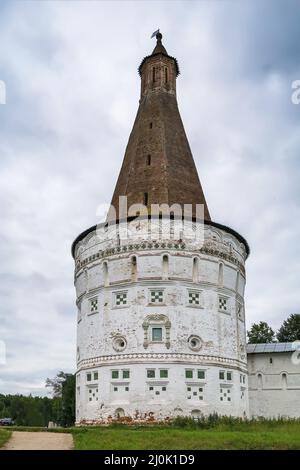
[63,392]
[260,333]
[290,329]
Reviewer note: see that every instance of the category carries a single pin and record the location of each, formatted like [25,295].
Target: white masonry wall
[274,384]
[199,307]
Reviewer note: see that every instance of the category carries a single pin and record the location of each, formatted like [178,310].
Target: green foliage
[260,333]
[38,411]
[4,436]
[63,391]
[290,329]
[27,411]
[214,421]
[212,432]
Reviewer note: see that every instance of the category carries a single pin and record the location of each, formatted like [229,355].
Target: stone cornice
[134,247]
[163,283]
[177,358]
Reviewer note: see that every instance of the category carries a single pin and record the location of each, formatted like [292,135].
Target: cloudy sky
[70,69]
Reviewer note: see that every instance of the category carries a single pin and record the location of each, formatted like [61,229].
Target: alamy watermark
[295,97]
[2,92]
[153,222]
[296,353]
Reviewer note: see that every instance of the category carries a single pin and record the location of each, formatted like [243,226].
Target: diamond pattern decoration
[194,393]
[225,394]
[94,305]
[157,296]
[121,298]
[223,304]
[194,298]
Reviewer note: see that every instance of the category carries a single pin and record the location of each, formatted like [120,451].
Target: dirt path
[39,441]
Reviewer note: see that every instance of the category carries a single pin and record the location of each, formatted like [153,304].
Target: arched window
[196,269]
[105,274]
[166,75]
[196,414]
[165,267]
[119,413]
[259,381]
[146,199]
[149,160]
[237,281]
[133,269]
[221,269]
[284,381]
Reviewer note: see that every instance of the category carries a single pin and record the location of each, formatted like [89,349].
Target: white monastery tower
[161,318]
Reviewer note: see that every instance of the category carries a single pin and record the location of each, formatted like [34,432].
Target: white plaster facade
[274,382]
[161,324]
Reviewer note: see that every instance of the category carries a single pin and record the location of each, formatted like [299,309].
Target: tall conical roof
[158,167]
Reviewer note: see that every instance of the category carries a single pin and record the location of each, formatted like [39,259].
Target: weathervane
[155,33]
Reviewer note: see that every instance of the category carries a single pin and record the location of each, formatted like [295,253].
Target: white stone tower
[161,318]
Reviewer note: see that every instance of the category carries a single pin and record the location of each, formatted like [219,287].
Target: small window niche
[105,274]
[284,380]
[146,199]
[165,267]
[221,275]
[133,269]
[166,75]
[195,274]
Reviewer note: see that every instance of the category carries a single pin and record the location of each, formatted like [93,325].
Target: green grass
[4,436]
[212,432]
[282,437]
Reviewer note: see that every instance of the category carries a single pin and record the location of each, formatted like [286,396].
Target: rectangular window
[88,377]
[151,373]
[95,375]
[126,389]
[126,374]
[201,374]
[194,298]
[189,374]
[115,389]
[164,389]
[156,297]
[223,307]
[221,375]
[94,305]
[229,376]
[163,373]
[120,299]
[156,334]
[114,374]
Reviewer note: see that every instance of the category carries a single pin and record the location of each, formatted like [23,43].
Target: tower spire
[158,166]
[159,48]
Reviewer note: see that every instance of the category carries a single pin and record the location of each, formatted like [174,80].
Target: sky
[72,91]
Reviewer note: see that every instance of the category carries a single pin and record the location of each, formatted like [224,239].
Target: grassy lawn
[165,438]
[222,435]
[4,436]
